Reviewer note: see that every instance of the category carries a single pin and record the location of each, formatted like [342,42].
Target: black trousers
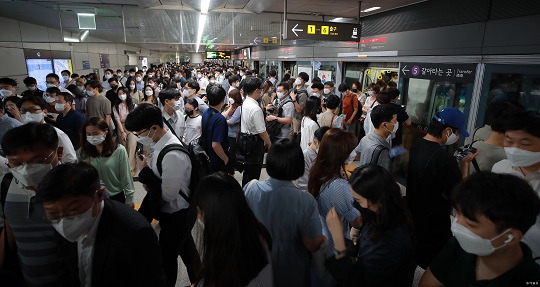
[175,239]
[253,165]
[119,197]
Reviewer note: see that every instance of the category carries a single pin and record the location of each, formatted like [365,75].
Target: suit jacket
[126,250]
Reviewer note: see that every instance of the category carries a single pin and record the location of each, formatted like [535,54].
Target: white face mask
[132,87]
[66,78]
[138,79]
[59,107]
[297,82]
[108,76]
[394,130]
[326,91]
[49,85]
[5,93]
[132,75]
[90,93]
[280,95]
[212,81]
[29,174]
[241,74]
[147,140]
[371,93]
[122,97]
[521,157]
[29,118]
[32,88]
[74,228]
[316,95]
[148,93]
[49,100]
[452,139]
[150,75]
[119,75]
[475,244]
[95,140]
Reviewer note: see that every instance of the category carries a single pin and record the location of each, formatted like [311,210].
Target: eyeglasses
[30,110]
[44,160]
[73,214]
[139,133]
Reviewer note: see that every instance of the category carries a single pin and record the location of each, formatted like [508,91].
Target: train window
[325,70]
[518,88]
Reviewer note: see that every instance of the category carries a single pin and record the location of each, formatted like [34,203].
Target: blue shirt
[7,123]
[289,214]
[217,131]
[71,124]
[338,194]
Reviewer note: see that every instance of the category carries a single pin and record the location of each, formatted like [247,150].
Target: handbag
[246,144]
[274,127]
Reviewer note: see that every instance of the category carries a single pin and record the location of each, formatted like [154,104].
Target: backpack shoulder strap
[163,152]
[4,187]
[170,127]
[377,153]
[474,161]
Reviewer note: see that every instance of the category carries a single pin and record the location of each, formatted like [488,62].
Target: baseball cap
[454,118]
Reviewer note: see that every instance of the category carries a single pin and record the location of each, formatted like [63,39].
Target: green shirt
[455,267]
[114,171]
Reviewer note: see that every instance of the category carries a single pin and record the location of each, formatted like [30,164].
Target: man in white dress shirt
[173,117]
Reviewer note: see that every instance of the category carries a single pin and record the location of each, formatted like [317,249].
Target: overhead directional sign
[322,31]
[463,73]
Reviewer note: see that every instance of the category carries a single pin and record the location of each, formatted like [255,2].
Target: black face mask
[189,112]
[368,215]
[114,87]
[355,90]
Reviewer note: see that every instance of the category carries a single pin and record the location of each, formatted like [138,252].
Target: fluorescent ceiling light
[70,39]
[202,21]
[337,19]
[371,9]
[204,6]
[86,21]
[84,35]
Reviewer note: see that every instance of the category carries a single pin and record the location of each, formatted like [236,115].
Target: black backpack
[200,164]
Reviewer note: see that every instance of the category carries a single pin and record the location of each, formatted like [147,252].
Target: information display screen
[38,69]
[61,65]
[218,55]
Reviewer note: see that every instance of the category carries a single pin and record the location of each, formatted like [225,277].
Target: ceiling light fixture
[202,21]
[337,19]
[371,9]
[70,39]
[84,35]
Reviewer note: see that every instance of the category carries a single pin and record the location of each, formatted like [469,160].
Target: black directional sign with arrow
[322,31]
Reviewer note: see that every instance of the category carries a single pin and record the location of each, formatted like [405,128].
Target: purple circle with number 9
[415,71]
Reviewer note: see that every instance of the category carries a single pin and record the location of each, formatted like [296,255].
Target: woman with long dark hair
[121,109]
[236,246]
[110,159]
[328,181]
[309,123]
[136,95]
[386,244]
[149,95]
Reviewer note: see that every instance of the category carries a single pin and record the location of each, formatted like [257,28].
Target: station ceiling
[171,25]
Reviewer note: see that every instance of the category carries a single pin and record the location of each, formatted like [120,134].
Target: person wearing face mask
[432,174]
[215,131]
[66,78]
[33,109]
[112,94]
[32,88]
[149,96]
[385,250]
[203,82]
[97,105]
[105,232]
[121,109]
[493,211]
[371,99]
[139,81]
[122,77]
[522,149]
[32,151]
[6,123]
[299,97]
[349,104]
[109,74]
[79,103]
[374,147]
[109,158]
[191,90]
[53,80]
[69,120]
[193,121]
[173,116]
[310,154]
[136,95]
[172,184]
[8,87]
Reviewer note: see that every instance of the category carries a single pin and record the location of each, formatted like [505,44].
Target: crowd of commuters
[70,156]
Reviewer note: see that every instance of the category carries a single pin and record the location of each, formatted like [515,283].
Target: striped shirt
[38,244]
[337,194]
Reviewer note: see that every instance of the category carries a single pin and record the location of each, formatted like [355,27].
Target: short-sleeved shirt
[288,112]
[71,124]
[193,129]
[402,117]
[301,98]
[289,214]
[252,118]
[217,131]
[234,122]
[348,109]
[309,158]
[98,106]
[455,267]
[487,157]
[307,132]
[366,149]
[337,193]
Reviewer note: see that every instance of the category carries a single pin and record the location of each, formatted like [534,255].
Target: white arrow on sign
[255,40]
[404,71]
[294,30]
